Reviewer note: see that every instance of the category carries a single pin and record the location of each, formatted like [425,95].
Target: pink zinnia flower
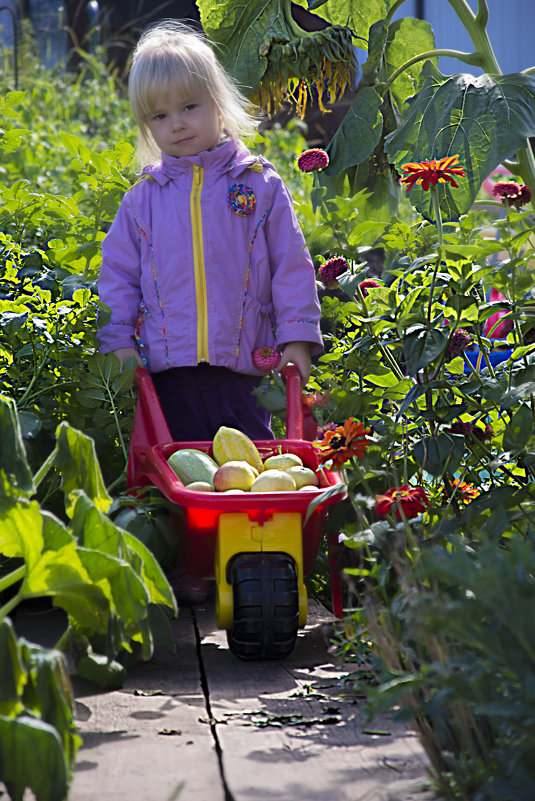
[459,342]
[483,434]
[313,160]
[366,284]
[461,428]
[511,193]
[330,271]
[266,358]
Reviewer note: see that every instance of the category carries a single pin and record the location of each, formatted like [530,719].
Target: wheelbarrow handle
[294,402]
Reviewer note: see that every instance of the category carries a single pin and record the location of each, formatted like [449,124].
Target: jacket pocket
[257,329]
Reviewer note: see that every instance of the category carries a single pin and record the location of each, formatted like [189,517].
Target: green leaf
[21,530]
[483,119]
[31,756]
[441,454]
[77,460]
[15,474]
[358,134]
[336,489]
[517,394]
[243,33]
[421,347]
[407,37]
[518,431]
[107,673]
[48,689]
[12,671]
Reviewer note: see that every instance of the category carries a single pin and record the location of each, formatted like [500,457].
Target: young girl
[205,260]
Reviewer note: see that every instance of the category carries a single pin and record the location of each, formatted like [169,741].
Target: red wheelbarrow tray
[196,514]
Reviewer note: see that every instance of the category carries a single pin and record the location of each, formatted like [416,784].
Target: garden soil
[201,725]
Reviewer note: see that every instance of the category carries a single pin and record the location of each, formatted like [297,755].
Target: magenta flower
[483,434]
[511,193]
[461,428]
[266,358]
[459,342]
[313,160]
[365,285]
[330,271]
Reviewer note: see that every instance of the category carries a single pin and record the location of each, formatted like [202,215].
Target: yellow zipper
[198,261]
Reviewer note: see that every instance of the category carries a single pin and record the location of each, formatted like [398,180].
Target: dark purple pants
[196,401]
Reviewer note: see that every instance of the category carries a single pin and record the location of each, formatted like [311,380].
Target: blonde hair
[172,53]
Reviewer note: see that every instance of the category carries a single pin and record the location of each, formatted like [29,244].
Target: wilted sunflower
[303,64]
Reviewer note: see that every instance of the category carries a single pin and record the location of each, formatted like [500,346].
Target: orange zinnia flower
[463,492]
[344,442]
[431,173]
[412,500]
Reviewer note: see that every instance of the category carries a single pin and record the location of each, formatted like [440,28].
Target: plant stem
[440,234]
[12,578]
[45,467]
[468,58]
[11,604]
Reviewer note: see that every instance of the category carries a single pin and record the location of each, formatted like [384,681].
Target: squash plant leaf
[15,475]
[32,757]
[77,460]
[12,670]
[484,119]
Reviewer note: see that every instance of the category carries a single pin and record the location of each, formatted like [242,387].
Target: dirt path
[201,725]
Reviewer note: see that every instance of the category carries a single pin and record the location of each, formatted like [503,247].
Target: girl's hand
[125,353]
[297,353]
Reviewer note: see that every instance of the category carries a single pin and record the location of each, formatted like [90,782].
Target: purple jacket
[207,260]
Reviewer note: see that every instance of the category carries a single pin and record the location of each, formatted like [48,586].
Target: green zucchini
[190,465]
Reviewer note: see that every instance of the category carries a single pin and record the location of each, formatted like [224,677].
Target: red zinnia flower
[330,271]
[266,358]
[366,284]
[464,492]
[313,160]
[431,173]
[412,500]
[511,193]
[343,442]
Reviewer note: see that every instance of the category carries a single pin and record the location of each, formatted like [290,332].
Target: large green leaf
[12,671]
[48,689]
[97,532]
[358,15]
[31,756]
[483,119]
[242,33]
[15,474]
[407,37]
[440,454]
[359,133]
[77,461]
[21,530]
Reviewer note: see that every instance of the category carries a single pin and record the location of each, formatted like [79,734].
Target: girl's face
[184,124]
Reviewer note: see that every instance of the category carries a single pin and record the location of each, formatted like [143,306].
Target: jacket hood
[231,157]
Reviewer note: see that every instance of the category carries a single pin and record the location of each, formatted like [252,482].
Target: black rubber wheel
[266,606]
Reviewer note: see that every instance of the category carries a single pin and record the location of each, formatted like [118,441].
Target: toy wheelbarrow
[257,545]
